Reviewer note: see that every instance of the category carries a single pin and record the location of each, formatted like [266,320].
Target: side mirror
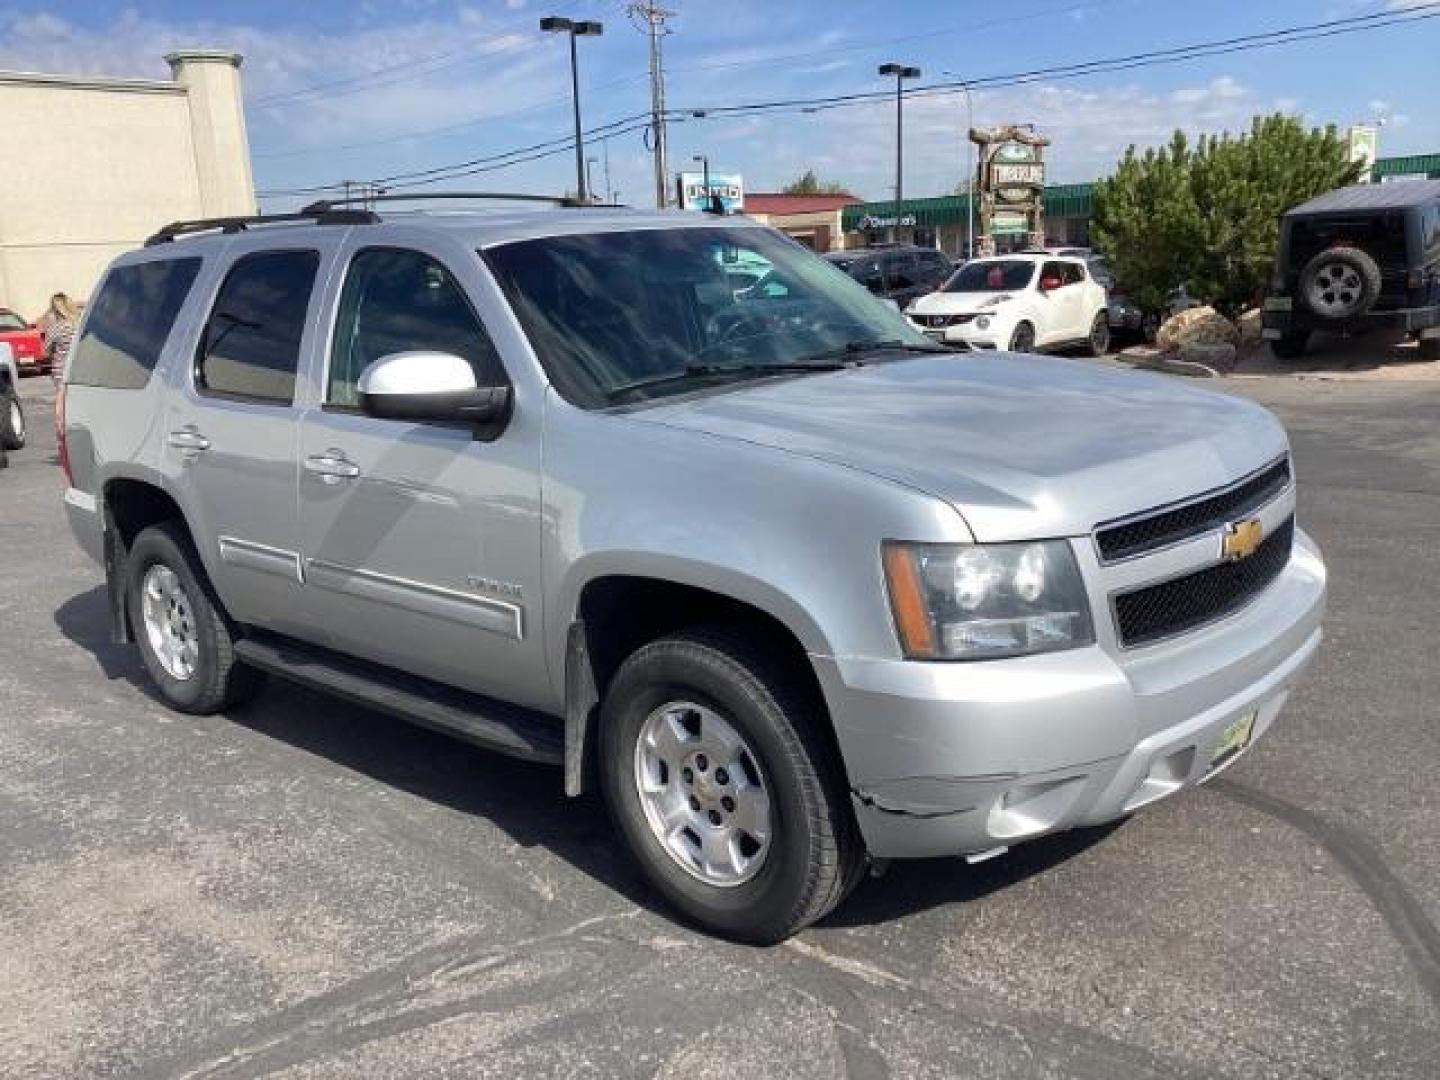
[1049,284]
[432,386]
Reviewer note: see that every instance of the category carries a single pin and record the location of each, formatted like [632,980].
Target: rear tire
[1098,343]
[667,710]
[1429,348]
[12,420]
[185,638]
[1291,346]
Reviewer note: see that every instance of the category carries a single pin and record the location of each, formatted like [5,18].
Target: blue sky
[466,79]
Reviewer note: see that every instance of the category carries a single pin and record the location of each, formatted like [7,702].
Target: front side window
[620,317]
[998,275]
[251,344]
[129,321]
[397,300]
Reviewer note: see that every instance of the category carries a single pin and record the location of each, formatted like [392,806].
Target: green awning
[1415,165]
[1062,200]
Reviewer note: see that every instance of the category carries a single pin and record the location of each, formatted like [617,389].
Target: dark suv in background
[1358,259]
[899,273]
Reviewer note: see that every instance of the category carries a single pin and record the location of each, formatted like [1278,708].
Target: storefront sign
[729,186]
[871,221]
[1007,223]
[1032,174]
[1011,181]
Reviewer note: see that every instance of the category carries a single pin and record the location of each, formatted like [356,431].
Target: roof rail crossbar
[327,205]
[240,223]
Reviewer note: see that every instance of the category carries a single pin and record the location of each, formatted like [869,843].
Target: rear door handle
[332,466]
[189,440]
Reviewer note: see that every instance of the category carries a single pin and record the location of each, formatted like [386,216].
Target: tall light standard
[969,164]
[705,174]
[590,175]
[555,24]
[901,73]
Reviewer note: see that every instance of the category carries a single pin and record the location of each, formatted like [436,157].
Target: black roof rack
[323,206]
[242,222]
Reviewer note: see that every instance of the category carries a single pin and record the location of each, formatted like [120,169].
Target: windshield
[1000,275]
[10,321]
[620,317]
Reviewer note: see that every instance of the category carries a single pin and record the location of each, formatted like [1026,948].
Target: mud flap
[581,701]
[116,557]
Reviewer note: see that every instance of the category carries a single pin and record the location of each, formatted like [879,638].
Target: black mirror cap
[486,408]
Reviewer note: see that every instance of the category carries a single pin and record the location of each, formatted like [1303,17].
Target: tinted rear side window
[251,344]
[129,320]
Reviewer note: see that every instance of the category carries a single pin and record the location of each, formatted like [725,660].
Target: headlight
[982,322]
[981,601]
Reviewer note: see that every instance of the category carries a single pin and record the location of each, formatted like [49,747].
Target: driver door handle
[332,466]
[189,440]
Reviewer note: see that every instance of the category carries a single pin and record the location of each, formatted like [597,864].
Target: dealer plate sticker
[1234,738]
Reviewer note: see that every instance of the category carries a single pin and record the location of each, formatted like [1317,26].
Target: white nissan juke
[1023,303]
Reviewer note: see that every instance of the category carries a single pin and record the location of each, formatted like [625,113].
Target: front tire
[1429,348]
[12,420]
[718,774]
[185,639]
[1022,340]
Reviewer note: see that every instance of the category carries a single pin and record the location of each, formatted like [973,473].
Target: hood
[943,303]
[1023,446]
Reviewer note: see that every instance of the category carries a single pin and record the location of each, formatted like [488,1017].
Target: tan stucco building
[93,166]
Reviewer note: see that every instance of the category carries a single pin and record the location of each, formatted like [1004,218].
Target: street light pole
[590,176]
[554,24]
[969,165]
[901,73]
[705,173]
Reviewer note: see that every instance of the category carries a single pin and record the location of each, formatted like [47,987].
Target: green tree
[1208,216]
[807,183]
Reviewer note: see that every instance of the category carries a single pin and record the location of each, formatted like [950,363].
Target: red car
[26,342]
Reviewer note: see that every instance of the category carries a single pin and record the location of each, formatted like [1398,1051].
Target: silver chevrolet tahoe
[798,590]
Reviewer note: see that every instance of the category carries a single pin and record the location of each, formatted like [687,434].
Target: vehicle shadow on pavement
[911,886]
[526,801]
[85,620]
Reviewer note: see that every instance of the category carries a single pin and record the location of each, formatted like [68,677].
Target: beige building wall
[97,165]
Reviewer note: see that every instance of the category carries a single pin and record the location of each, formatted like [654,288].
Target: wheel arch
[131,501]
[615,610]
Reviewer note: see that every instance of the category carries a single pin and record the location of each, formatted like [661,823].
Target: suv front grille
[1153,612]
[1164,527]
[937,321]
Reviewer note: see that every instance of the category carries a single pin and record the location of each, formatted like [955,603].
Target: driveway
[308,889]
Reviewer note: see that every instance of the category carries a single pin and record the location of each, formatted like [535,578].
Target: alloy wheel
[170,622]
[703,794]
[1335,290]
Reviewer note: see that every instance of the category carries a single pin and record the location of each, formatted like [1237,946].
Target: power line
[1177,54]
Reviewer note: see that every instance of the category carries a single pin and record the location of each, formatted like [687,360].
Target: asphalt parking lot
[307,889]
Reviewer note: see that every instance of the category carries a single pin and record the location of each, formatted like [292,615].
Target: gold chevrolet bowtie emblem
[1241,539]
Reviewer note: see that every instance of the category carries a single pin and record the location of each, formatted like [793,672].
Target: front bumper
[967,335]
[949,759]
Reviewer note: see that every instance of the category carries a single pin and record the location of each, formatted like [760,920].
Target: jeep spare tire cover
[1340,283]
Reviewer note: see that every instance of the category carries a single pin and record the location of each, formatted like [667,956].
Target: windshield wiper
[851,351]
[701,371]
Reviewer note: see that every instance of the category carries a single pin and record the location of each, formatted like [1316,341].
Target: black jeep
[1356,259]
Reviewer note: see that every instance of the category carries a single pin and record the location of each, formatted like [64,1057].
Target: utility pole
[654,17]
